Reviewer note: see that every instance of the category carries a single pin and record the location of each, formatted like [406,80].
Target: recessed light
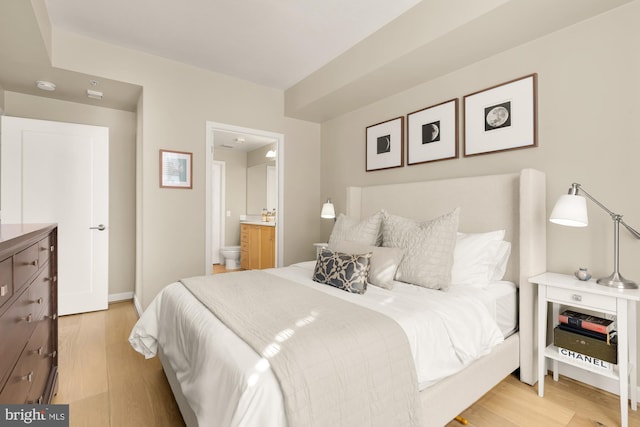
[44,85]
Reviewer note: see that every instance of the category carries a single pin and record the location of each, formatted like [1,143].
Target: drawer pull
[51,248]
[28,319]
[52,354]
[34,263]
[576,297]
[54,316]
[38,301]
[38,351]
[4,289]
[28,377]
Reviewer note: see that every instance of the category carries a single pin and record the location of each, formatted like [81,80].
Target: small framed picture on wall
[384,145]
[502,117]
[432,133]
[175,169]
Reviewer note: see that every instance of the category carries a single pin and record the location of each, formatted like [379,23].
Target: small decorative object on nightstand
[582,274]
[563,289]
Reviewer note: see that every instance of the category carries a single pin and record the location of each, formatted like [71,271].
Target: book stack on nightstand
[586,340]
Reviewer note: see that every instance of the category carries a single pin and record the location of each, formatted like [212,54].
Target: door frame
[211,127]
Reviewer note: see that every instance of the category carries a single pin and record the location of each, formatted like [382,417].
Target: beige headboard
[513,202]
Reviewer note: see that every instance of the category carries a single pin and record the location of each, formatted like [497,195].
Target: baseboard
[124,296]
[136,304]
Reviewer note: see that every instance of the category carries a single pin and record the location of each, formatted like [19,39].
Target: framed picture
[385,145]
[432,133]
[500,118]
[175,169]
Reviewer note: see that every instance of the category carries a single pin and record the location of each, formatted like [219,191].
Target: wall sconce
[328,211]
[571,210]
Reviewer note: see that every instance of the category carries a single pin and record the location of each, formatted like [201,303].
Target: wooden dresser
[257,246]
[28,313]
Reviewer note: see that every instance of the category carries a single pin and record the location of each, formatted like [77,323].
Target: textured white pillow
[429,248]
[366,231]
[474,258]
[384,261]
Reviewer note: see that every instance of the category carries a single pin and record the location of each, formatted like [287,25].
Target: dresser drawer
[25,265]
[40,295]
[31,369]
[582,299]
[45,249]
[16,326]
[6,280]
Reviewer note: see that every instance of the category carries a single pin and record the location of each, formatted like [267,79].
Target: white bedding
[226,383]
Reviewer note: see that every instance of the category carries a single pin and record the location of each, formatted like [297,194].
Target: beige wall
[177,101]
[235,191]
[588,109]
[1,100]
[122,155]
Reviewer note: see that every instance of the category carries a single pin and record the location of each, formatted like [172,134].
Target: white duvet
[227,384]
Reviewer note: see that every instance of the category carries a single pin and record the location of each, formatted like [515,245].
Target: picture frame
[175,169]
[385,145]
[502,117]
[432,133]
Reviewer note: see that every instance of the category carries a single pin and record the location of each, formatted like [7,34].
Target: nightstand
[566,290]
[319,247]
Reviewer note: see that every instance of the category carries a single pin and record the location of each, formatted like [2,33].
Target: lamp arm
[616,217]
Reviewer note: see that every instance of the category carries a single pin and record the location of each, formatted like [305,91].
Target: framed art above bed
[502,117]
[385,145]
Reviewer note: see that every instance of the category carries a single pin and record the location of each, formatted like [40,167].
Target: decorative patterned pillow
[429,248]
[366,231]
[344,271]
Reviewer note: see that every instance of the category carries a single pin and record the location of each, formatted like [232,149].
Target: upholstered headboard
[513,202]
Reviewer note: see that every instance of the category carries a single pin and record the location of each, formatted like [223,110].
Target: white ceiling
[275,43]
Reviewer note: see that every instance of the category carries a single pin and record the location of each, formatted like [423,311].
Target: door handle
[100,227]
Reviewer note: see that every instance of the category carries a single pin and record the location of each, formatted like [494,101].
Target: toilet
[231,256]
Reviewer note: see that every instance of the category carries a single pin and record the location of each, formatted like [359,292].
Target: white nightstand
[563,289]
[319,247]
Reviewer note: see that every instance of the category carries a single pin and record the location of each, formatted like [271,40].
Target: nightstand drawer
[582,299]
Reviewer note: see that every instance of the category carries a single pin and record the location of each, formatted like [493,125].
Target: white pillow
[384,261]
[475,258]
[366,231]
[429,248]
[501,259]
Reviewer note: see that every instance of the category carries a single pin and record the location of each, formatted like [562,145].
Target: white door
[217,210]
[59,172]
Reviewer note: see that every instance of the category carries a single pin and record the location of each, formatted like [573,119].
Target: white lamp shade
[570,210]
[328,211]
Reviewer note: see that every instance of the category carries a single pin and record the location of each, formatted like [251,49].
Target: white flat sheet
[501,300]
[226,383]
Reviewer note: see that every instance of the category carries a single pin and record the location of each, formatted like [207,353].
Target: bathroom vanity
[257,245]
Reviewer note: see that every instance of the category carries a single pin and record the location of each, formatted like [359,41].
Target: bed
[511,202]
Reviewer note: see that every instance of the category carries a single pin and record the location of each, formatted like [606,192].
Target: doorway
[217,213]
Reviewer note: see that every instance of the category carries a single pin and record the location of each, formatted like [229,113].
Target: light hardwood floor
[107,383]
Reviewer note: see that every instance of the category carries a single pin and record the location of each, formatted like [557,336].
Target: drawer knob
[28,319]
[4,290]
[28,377]
[39,351]
[576,297]
[54,316]
[38,301]
[52,354]
[34,263]
[51,248]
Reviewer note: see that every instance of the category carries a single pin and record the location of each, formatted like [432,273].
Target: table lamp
[571,210]
[328,211]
